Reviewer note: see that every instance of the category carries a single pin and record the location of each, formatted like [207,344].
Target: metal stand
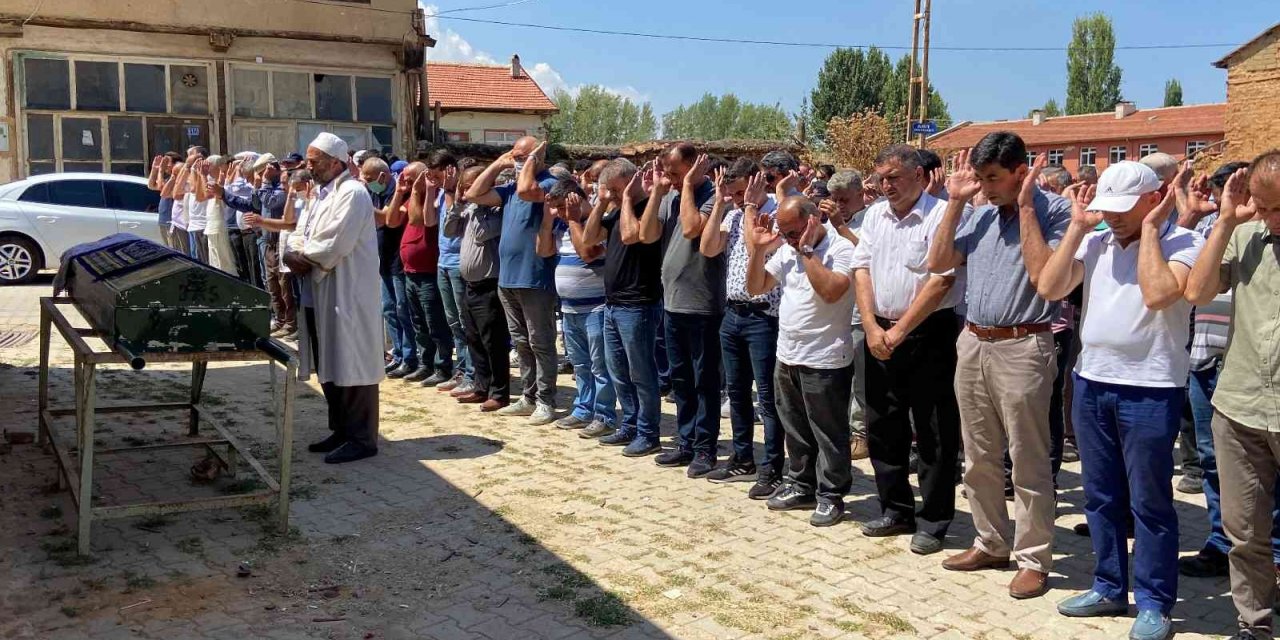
[80,480]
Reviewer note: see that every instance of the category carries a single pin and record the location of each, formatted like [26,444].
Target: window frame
[519,133]
[1059,154]
[1194,147]
[1147,149]
[1123,152]
[1093,156]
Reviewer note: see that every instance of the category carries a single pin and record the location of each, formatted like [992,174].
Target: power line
[822,45]
[491,6]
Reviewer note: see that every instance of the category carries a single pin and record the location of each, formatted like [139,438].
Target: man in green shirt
[1243,256]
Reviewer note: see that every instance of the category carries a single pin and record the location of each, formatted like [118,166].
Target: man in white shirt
[334,251]
[815,351]
[911,325]
[1128,384]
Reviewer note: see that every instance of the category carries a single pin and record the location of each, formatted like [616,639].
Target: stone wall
[1253,100]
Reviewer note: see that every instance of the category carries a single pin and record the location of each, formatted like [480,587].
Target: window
[144,88]
[502,136]
[1147,149]
[1056,157]
[384,139]
[1118,154]
[1031,157]
[291,94]
[76,193]
[47,83]
[252,97]
[1088,156]
[132,197]
[40,137]
[333,97]
[373,100]
[189,89]
[125,135]
[1195,147]
[457,136]
[97,86]
[36,193]
[81,139]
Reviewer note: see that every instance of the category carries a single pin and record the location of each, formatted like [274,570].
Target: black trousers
[488,339]
[244,267]
[353,411]
[915,386]
[813,406]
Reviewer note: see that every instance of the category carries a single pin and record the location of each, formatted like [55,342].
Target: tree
[855,140]
[894,101]
[1050,109]
[850,81]
[597,116]
[1093,79]
[1173,93]
[726,117]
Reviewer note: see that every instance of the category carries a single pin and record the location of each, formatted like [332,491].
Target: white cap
[262,161]
[360,156]
[1121,185]
[330,145]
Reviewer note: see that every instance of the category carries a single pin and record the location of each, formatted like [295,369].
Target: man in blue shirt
[526,280]
[1006,363]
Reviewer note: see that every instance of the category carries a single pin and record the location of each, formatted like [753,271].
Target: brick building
[1099,139]
[1253,96]
[486,103]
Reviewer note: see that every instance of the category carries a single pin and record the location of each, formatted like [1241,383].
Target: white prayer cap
[249,155]
[330,145]
[263,160]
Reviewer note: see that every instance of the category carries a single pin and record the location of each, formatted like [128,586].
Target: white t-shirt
[1123,341]
[197,213]
[812,332]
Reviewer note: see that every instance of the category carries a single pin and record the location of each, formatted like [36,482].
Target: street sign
[927,128]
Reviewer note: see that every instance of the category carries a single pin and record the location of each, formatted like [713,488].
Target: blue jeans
[629,337]
[395,312]
[430,329]
[693,349]
[749,342]
[451,288]
[1200,390]
[660,353]
[584,340]
[1125,436]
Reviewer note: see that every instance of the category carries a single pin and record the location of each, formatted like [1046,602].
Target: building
[486,103]
[1099,139]
[1253,96]
[104,85]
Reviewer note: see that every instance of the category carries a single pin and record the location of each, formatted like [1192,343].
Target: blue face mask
[377,188]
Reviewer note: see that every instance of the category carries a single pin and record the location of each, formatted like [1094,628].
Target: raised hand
[828,208]
[1157,216]
[963,183]
[755,193]
[719,182]
[404,184]
[658,179]
[1237,205]
[764,237]
[572,209]
[506,160]
[1081,196]
[1027,196]
[539,155]
[1200,197]
[646,174]
[810,236]
[935,181]
[698,171]
[788,183]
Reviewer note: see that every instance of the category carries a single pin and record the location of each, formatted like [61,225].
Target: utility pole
[918,86]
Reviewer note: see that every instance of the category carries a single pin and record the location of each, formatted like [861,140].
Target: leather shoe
[1028,583]
[349,452]
[392,366]
[886,526]
[493,405]
[419,374]
[328,444]
[1091,604]
[401,371]
[1151,625]
[974,559]
[472,398]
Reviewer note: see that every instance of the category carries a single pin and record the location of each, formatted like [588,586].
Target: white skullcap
[330,145]
[262,161]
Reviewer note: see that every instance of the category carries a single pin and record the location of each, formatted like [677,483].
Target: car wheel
[18,260]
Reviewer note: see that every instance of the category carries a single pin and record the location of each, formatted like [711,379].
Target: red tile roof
[474,87]
[1200,119]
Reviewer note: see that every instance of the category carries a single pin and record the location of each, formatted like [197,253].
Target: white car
[42,216]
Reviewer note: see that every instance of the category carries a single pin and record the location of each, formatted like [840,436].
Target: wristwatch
[806,250]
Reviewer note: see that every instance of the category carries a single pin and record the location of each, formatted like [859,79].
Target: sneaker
[392,366]
[452,383]
[674,458]
[858,448]
[790,498]
[703,463]
[640,447]
[923,544]
[597,429]
[465,389]
[1209,563]
[521,407]
[669,396]
[724,408]
[827,513]
[1190,484]
[886,526]
[571,422]
[733,471]
[1069,453]
[542,414]
[619,438]
[767,483]
[435,379]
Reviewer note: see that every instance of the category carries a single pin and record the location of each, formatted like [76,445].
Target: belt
[747,307]
[993,334]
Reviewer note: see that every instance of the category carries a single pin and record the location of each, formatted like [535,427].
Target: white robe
[337,234]
[220,256]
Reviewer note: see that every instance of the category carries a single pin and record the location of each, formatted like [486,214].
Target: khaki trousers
[1003,388]
[1248,460]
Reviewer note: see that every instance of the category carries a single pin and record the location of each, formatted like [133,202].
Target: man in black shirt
[633,293]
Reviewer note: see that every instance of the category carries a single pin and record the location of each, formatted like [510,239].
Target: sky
[976,85]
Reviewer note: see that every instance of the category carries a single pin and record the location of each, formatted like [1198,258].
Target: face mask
[376,188]
[299,203]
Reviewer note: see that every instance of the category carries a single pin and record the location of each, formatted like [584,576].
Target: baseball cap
[1121,185]
[398,166]
[293,157]
[263,160]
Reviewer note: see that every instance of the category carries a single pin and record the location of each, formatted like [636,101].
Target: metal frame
[80,481]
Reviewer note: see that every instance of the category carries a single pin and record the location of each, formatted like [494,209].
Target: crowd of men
[922,319]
